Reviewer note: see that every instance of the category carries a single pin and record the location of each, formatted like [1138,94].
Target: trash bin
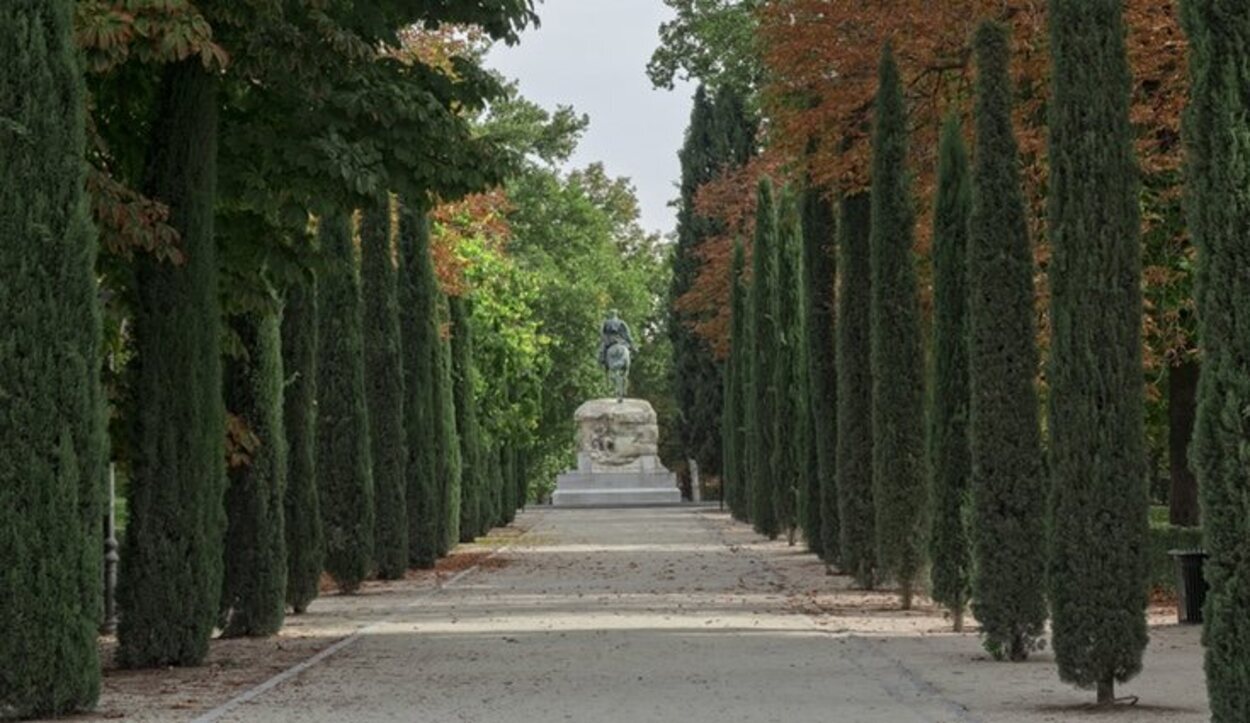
[1191,586]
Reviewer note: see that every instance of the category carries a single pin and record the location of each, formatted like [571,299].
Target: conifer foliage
[253,599]
[736,370]
[1217,133]
[856,511]
[949,462]
[1098,565]
[819,274]
[53,443]
[384,392]
[450,464]
[1008,480]
[418,305]
[761,403]
[898,465]
[302,518]
[472,470]
[169,591]
[343,462]
[790,415]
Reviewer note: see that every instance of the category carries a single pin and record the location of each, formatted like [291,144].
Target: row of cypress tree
[1012,532]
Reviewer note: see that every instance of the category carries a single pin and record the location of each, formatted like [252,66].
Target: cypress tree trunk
[790,414]
[1183,504]
[384,392]
[819,278]
[854,459]
[897,361]
[450,464]
[53,447]
[418,304]
[343,462]
[508,481]
[735,390]
[1008,478]
[761,400]
[304,540]
[1099,496]
[169,591]
[471,472]
[253,600]
[949,461]
[1217,133]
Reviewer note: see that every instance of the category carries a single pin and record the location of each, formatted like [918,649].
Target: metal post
[111,557]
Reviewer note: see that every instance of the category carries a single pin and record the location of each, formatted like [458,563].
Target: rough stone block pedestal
[617,461]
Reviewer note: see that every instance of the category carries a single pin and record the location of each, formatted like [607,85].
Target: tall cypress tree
[856,511]
[471,471]
[734,446]
[949,462]
[302,514]
[253,599]
[418,304]
[898,466]
[52,450]
[169,591]
[819,275]
[761,399]
[695,370]
[343,462]
[721,135]
[1100,505]
[1008,479]
[450,464]
[1217,133]
[384,392]
[790,413]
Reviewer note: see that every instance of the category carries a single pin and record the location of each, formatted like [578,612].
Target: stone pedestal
[617,461]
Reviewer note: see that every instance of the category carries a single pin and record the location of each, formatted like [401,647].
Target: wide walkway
[672,614]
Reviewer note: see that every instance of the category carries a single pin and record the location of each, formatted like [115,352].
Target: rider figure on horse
[615,347]
[614,331]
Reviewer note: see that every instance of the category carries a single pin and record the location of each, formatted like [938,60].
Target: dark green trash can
[1191,586]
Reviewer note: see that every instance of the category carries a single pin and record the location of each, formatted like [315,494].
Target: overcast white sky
[592,54]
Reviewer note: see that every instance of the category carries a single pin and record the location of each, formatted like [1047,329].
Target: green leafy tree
[819,277]
[788,458]
[1098,587]
[712,41]
[304,539]
[169,591]
[762,398]
[856,510]
[419,324]
[253,599]
[734,418]
[344,468]
[1008,478]
[898,465]
[53,448]
[950,463]
[384,392]
[1217,133]
[472,473]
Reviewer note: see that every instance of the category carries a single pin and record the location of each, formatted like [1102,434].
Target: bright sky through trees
[592,54]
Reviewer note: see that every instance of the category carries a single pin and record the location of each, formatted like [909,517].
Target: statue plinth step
[580,489]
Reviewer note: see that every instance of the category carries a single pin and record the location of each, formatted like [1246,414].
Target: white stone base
[615,489]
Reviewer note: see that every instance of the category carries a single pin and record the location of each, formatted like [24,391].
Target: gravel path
[679,614]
